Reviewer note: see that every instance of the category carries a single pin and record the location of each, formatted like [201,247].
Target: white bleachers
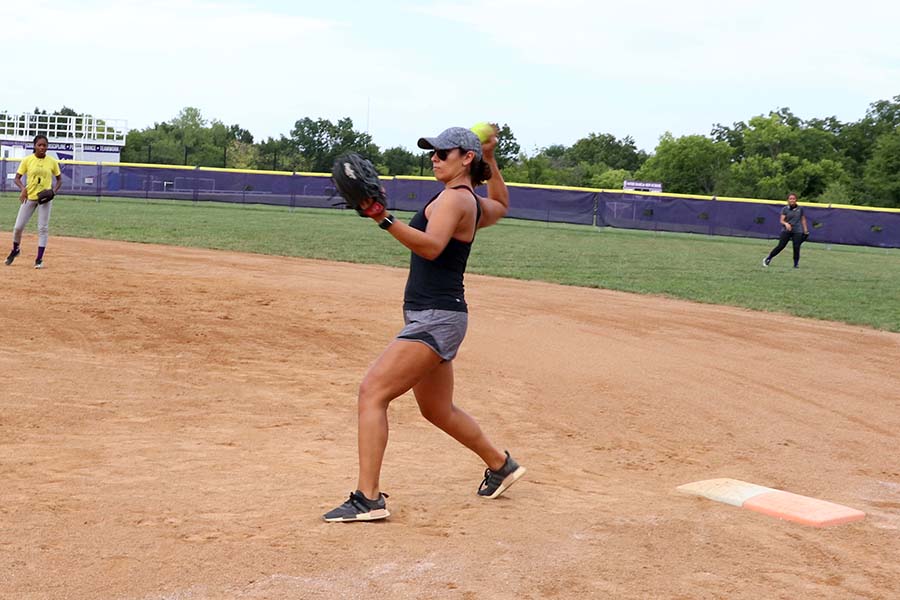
[74,134]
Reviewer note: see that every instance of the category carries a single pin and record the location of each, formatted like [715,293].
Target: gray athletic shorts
[441,330]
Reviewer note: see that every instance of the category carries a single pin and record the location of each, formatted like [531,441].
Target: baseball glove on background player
[45,196]
[356,180]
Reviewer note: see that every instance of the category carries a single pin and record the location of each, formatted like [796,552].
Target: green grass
[857,285]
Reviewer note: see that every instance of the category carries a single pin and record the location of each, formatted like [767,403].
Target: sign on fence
[642,186]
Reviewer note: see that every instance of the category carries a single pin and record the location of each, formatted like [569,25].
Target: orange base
[772,502]
[803,509]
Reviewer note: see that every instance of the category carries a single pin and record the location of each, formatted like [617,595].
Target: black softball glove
[356,180]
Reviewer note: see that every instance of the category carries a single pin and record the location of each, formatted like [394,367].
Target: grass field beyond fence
[857,285]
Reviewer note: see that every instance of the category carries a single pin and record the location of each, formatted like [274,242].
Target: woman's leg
[396,371]
[434,394]
[43,223]
[26,209]
[797,240]
[783,240]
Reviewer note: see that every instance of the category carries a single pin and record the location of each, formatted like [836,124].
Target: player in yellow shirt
[39,171]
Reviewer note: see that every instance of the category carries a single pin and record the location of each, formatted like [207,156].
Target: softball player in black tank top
[420,358]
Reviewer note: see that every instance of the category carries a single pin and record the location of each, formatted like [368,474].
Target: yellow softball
[483,130]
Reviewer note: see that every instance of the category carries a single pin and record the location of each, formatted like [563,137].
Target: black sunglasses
[441,154]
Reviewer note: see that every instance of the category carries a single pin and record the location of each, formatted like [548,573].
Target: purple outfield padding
[649,211]
[745,219]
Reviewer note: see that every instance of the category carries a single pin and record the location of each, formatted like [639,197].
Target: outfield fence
[837,224]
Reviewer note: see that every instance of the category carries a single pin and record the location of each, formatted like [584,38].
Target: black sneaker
[359,508]
[39,264]
[12,256]
[496,482]
[766,261]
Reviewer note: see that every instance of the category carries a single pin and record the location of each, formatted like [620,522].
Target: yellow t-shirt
[39,173]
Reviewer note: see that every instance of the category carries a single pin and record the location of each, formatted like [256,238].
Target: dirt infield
[173,422]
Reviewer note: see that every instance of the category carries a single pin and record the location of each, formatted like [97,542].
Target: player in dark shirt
[794,228]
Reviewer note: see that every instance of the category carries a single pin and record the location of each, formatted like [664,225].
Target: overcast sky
[553,70]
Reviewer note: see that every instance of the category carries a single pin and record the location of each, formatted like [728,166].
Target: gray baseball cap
[454,137]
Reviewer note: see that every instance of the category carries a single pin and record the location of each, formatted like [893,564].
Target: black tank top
[438,283]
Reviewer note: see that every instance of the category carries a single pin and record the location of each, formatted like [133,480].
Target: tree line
[767,156]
